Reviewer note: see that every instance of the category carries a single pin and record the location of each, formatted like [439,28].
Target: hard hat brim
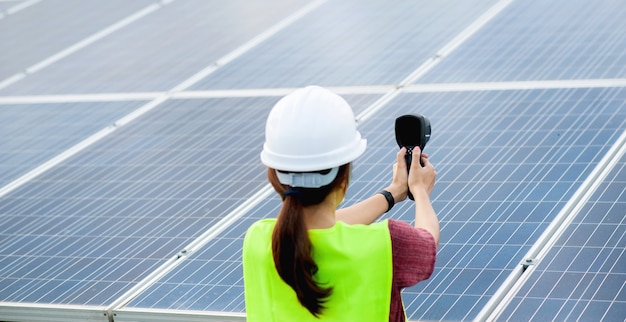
[331,159]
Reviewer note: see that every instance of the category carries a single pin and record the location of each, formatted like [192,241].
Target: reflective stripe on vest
[355,260]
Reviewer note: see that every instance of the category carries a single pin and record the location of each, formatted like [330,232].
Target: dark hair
[291,246]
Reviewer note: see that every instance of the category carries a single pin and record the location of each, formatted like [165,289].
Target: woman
[314,262]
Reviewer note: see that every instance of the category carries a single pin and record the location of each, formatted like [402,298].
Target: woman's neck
[320,216]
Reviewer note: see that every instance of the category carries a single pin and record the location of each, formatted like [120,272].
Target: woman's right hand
[399,187]
[421,178]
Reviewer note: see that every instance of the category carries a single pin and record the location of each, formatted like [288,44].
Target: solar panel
[160,52]
[98,230]
[35,33]
[169,294]
[363,43]
[99,222]
[583,274]
[508,161]
[560,43]
[34,133]
[95,225]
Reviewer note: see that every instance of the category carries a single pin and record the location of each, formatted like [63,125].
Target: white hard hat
[311,129]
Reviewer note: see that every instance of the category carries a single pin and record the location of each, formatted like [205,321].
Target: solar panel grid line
[82,145]
[98,272]
[519,276]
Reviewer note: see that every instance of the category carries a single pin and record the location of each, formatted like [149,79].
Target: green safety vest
[355,260]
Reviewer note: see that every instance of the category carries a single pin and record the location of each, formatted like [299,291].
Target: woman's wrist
[398,193]
[389,198]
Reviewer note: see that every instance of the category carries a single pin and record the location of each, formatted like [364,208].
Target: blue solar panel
[167,47]
[94,226]
[542,40]
[34,34]
[350,43]
[34,133]
[117,210]
[494,152]
[583,275]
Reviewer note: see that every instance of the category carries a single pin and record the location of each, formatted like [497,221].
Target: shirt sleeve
[414,253]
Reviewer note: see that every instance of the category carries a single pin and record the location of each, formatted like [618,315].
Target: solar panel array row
[99,224]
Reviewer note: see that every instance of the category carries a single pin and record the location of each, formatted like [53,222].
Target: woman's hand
[421,178]
[399,187]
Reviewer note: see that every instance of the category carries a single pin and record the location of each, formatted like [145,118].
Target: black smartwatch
[389,197]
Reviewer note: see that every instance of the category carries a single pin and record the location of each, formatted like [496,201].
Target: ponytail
[291,246]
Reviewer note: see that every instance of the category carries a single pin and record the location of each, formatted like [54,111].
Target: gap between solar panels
[549,237]
[341,90]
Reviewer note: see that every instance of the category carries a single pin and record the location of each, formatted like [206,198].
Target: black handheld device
[412,130]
